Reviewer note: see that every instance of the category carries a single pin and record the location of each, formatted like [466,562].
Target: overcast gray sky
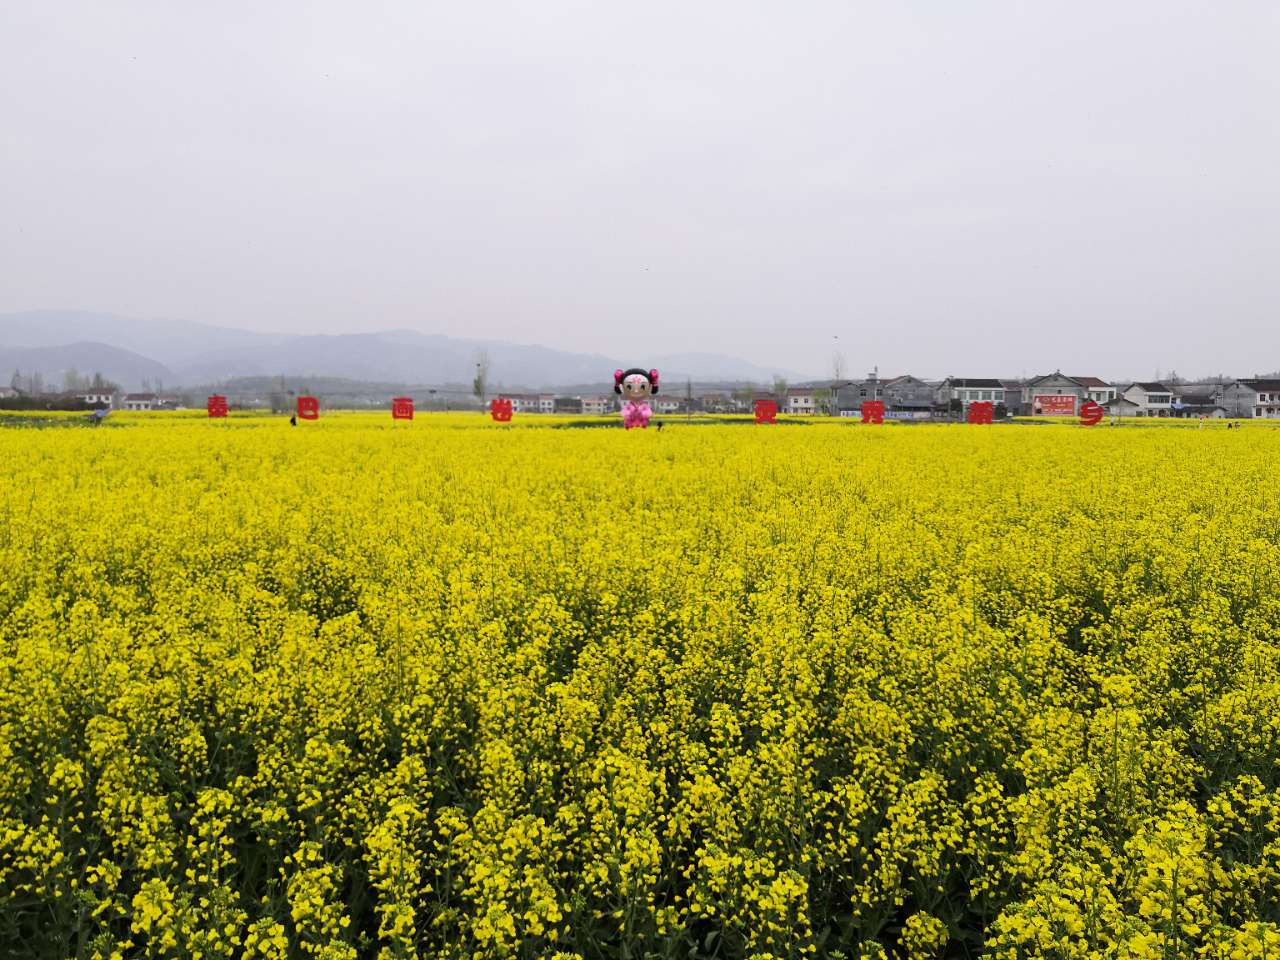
[970,188]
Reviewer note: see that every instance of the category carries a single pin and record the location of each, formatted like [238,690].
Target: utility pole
[837,374]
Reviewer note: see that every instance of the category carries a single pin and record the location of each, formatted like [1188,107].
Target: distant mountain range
[124,367]
[177,352]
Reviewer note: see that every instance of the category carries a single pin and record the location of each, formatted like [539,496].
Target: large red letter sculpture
[217,405]
[766,411]
[981,411]
[402,408]
[1091,413]
[308,408]
[501,410]
[873,411]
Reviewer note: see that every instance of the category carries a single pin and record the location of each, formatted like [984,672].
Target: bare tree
[823,399]
[481,382]
[837,374]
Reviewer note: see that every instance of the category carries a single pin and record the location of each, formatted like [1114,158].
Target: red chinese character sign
[1091,413]
[217,405]
[766,411]
[873,411]
[982,411]
[402,408]
[308,408]
[501,410]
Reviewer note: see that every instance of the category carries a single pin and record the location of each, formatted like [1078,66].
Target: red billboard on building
[1053,405]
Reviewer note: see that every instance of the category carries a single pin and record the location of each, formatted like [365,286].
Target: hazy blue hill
[175,343]
[409,357]
[124,367]
[198,353]
[401,356]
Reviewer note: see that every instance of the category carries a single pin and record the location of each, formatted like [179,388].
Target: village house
[870,388]
[719,402]
[521,402]
[547,403]
[1054,395]
[967,390]
[139,401]
[665,404]
[849,401]
[1256,397]
[8,393]
[800,400]
[1200,399]
[599,405]
[97,398]
[826,396]
[566,405]
[853,393]
[1153,399]
[1120,407]
[1098,390]
[1014,397]
[907,398]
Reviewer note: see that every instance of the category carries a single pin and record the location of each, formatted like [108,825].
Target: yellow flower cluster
[458,689]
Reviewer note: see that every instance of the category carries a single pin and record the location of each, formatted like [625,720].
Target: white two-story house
[1098,389]
[521,402]
[98,398]
[140,401]
[1153,399]
[800,400]
[967,390]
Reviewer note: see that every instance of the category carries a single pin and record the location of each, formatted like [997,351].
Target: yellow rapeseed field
[457,689]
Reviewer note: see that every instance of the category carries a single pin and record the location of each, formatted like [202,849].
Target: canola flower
[454,689]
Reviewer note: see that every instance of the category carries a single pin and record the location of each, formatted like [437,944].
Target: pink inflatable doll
[636,387]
